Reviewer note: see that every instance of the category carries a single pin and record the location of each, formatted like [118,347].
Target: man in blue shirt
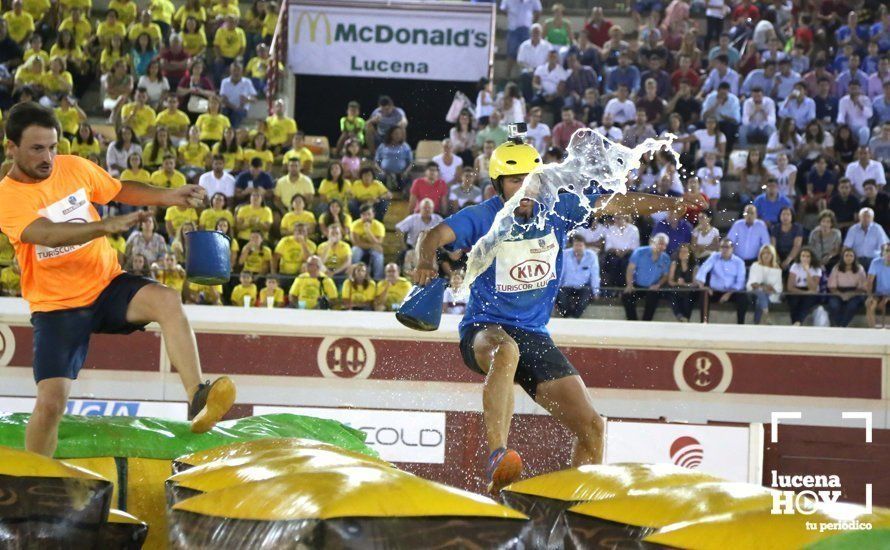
[764,78]
[866,238]
[647,270]
[580,278]
[748,235]
[878,284]
[677,230]
[504,330]
[624,73]
[253,178]
[727,281]
[770,203]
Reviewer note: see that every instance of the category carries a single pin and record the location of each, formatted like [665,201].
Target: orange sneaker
[504,467]
[210,403]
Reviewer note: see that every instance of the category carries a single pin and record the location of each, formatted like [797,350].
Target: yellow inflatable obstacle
[243,452]
[122,532]
[47,503]
[261,460]
[545,498]
[366,506]
[625,520]
[764,530]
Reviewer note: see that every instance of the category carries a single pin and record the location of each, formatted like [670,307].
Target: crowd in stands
[780,112]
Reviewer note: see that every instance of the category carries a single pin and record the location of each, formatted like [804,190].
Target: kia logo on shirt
[530,271]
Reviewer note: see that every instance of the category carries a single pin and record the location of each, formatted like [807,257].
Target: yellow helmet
[512,159]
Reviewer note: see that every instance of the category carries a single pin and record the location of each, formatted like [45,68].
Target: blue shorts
[62,337]
[539,358]
[515,38]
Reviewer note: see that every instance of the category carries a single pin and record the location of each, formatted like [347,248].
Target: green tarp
[132,437]
[855,540]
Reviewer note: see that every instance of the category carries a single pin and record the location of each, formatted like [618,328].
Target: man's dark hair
[23,115]
[723,58]
[364,170]
[769,62]
[367,208]
[256,162]
[567,108]
[384,101]
[575,238]
[431,164]
[219,157]
[724,86]
[757,89]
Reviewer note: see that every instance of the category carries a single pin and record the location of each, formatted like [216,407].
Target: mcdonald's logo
[313,19]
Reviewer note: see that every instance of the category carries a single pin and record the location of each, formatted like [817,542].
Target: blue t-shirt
[648,271]
[519,288]
[246,180]
[881,271]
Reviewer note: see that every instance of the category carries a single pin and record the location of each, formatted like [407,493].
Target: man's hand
[725,298]
[188,196]
[119,224]
[627,289]
[424,273]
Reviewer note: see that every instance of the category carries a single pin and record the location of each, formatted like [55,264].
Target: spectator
[237,93]
[621,239]
[425,219]
[272,294]
[855,111]
[394,158]
[258,68]
[681,277]
[138,266]
[581,79]
[176,216]
[511,103]
[485,99]
[154,83]
[169,273]
[174,60]
[193,155]
[245,292]
[195,89]
[391,291]
[206,295]
[878,201]
[677,229]
[721,74]
[351,161]
[684,73]
[538,133]
[850,75]
[280,128]
[866,238]
[493,132]
[580,280]
[647,269]
[85,144]
[770,203]
[449,164]
[723,106]
[430,186]
[212,124]
[256,257]
[620,108]
[217,211]
[291,184]
[383,119]
[710,139]
[138,115]
[352,127]
[548,83]
[334,216]
[878,285]
[143,52]
[450,302]
[367,241]
[786,80]
[798,107]
[335,254]
[520,16]
[844,205]
[820,184]
[562,132]
[787,238]
[610,131]
[825,240]
[298,214]
[157,149]
[254,179]
[229,44]
[531,54]
[758,118]
[865,169]
[765,281]
[881,104]
[144,25]
[146,243]
[636,134]
[591,109]
[848,287]
[465,192]
[367,190]
[313,289]
[224,227]
[710,176]
[803,286]
[253,216]
[135,171]
[299,150]
[747,235]
[124,145]
[597,27]
[217,180]
[727,278]
[168,176]
[785,175]
[685,105]
[334,186]
[880,144]
[463,137]
[11,280]
[705,237]
[358,291]
[292,251]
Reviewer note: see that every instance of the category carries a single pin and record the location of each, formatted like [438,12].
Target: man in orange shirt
[71,276]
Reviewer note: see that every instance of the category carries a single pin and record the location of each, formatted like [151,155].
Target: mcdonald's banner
[397,40]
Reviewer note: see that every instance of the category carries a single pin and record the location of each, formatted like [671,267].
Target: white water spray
[592,158]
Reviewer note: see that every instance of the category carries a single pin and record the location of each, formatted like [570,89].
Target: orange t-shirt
[68,276]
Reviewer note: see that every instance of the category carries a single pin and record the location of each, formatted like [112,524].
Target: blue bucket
[422,308]
[209,257]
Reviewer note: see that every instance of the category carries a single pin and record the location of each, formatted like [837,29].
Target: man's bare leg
[42,432]
[568,401]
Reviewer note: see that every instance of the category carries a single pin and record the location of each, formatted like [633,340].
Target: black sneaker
[210,403]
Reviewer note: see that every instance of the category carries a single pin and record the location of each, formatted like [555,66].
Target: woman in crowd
[845,146]
[218,211]
[334,186]
[86,142]
[847,285]
[394,158]
[157,148]
[120,150]
[116,87]
[450,302]
[511,103]
[784,140]
[802,287]
[787,238]
[765,281]
[463,137]
[146,243]
[224,226]
[358,290]
[230,150]
[142,53]
[154,83]
[825,240]
[682,277]
[335,215]
[753,176]
[705,237]
[351,162]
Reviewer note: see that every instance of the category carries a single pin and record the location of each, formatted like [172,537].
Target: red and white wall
[657,373]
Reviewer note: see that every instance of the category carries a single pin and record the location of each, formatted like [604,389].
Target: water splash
[591,158]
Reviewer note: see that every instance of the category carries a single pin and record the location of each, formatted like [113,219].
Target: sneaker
[504,467]
[210,403]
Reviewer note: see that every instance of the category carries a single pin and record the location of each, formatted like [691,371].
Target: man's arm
[640,203]
[629,276]
[135,193]
[427,243]
[44,232]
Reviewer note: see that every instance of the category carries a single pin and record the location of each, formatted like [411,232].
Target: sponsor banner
[398,436]
[724,451]
[102,407]
[377,39]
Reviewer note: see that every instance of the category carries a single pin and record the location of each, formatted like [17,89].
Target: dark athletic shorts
[539,358]
[62,337]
